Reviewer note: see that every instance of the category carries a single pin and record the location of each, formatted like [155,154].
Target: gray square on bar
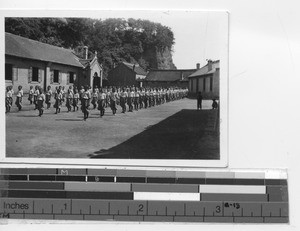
[250,209]
[219,219]
[275,209]
[248,219]
[98,217]
[66,171]
[51,206]
[188,174]
[92,207]
[68,217]
[102,172]
[188,219]
[131,173]
[164,174]
[166,208]
[39,216]
[159,218]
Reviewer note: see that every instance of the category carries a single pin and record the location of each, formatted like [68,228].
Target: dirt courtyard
[173,130]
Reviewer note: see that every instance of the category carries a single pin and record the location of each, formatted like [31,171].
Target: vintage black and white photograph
[129,85]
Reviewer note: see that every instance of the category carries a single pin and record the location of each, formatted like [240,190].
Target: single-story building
[206,80]
[30,63]
[126,74]
[168,78]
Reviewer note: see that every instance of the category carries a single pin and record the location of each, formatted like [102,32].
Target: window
[211,84]
[56,76]
[8,71]
[204,83]
[71,76]
[35,74]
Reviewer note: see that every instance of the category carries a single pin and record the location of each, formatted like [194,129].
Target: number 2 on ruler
[141,207]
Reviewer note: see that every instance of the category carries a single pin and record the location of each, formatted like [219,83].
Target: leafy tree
[115,39]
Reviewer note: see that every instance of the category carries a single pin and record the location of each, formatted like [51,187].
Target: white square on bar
[276,174]
[234,189]
[249,175]
[166,196]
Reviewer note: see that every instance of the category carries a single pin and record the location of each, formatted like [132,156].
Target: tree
[115,39]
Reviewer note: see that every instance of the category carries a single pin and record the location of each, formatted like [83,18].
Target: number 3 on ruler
[218,209]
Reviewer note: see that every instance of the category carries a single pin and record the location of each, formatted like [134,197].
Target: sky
[199,35]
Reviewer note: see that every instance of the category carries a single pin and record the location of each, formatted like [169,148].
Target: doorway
[96,80]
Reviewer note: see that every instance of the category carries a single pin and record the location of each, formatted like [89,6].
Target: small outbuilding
[126,74]
[168,78]
[92,73]
[206,80]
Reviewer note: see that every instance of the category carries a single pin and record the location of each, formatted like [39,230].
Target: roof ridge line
[36,41]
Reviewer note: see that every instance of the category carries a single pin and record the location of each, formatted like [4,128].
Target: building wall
[21,73]
[64,70]
[216,82]
[84,79]
[197,84]
[122,76]
[194,85]
[166,84]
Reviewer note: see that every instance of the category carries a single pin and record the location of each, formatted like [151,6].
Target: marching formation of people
[129,98]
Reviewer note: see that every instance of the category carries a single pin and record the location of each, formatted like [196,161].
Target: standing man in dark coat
[199,100]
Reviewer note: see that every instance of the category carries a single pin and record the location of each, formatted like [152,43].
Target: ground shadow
[36,115]
[181,136]
[69,119]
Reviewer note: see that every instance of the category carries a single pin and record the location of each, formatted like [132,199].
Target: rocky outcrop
[159,59]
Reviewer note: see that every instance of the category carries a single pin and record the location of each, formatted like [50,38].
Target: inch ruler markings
[139,195]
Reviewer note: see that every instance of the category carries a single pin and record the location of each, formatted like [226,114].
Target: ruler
[144,196]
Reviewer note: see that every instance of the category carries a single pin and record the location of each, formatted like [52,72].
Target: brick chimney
[86,52]
[209,64]
[198,66]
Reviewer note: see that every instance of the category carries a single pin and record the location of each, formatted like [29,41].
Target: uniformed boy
[69,97]
[35,94]
[40,102]
[113,99]
[8,99]
[123,98]
[30,95]
[86,96]
[101,102]
[58,100]
[75,99]
[48,97]
[19,98]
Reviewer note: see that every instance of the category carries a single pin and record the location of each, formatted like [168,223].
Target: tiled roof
[137,68]
[204,70]
[169,75]
[27,48]
[85,62]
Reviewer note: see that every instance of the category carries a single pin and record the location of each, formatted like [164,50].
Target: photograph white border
[223,162]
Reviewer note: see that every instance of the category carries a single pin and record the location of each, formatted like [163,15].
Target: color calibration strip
[142,195]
